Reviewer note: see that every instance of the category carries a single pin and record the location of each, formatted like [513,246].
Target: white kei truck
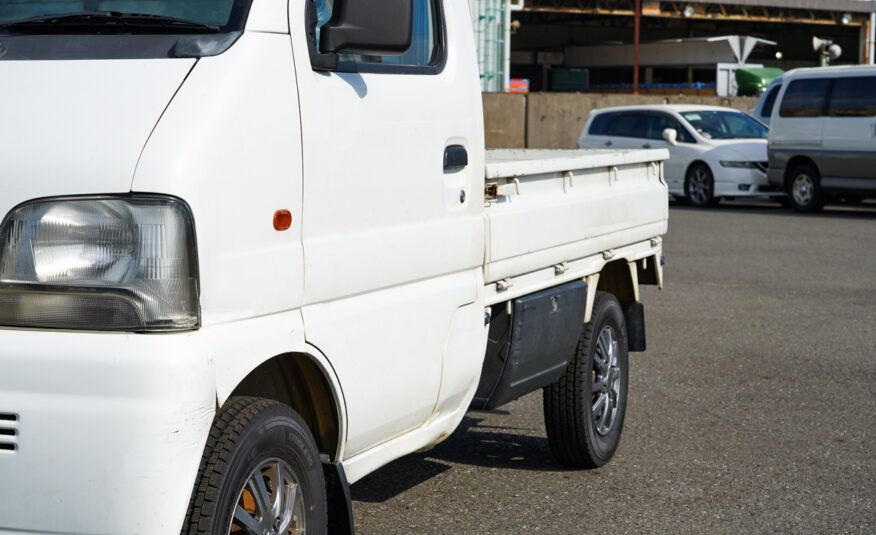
[253,250]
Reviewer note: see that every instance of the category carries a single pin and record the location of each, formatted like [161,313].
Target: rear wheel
[584,410]
[804,189]
[699,185]
[260,474]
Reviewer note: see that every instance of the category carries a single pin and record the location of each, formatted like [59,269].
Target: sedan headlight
[748,165]
[99,263]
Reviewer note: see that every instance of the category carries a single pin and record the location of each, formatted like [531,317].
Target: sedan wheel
[699,185]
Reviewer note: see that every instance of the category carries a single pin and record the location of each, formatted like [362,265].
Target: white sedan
[714,152]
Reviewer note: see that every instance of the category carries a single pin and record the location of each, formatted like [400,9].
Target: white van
[822,139]
[764,109]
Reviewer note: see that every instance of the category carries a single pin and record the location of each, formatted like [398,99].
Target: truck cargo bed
[556,215]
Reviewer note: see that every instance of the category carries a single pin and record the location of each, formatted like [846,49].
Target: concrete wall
[555,120]
[504,120]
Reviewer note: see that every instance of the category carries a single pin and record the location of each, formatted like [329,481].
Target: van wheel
[260,473]
[699,185]
[804,189]
[584,410]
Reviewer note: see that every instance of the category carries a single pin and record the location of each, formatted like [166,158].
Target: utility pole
[636,48]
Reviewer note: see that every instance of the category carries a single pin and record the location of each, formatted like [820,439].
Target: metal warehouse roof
[851,6]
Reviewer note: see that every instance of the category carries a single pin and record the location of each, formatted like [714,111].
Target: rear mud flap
[634,315]
[339,500]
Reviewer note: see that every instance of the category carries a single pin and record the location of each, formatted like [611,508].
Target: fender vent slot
[8,432]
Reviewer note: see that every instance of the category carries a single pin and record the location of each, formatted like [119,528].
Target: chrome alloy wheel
[605,388]
[270,502]
[802,189]
[698,189]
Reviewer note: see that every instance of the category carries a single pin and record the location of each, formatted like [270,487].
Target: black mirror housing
[372,27]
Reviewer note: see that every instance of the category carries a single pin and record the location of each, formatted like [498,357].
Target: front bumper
[109,430]
[743,182]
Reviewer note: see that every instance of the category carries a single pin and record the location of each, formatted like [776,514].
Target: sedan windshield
[96,16]
[725,125]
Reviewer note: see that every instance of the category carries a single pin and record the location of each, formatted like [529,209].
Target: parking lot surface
[753,410]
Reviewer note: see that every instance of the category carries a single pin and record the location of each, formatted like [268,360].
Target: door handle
[646,146]
[455,158]
[608,143]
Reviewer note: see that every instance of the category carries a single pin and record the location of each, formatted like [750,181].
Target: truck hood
[78,127]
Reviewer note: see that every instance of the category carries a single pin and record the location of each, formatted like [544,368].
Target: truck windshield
[121,16]
[713,124]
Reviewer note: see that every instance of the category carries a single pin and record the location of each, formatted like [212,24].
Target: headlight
[99,263]
[752,165]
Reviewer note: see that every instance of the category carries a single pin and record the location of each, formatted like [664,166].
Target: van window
[424,48]
[769,100]
[853,97]
[630,125]
[600,124]
[805,98]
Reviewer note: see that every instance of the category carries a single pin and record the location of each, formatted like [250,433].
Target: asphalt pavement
[753,410]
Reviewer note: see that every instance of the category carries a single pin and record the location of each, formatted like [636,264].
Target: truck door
[393,228]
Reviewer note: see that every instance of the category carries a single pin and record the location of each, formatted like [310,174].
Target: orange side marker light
[282,219]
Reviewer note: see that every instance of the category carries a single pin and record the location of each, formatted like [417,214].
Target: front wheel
[699,185]
[260,474]
[804,189]
[584,410]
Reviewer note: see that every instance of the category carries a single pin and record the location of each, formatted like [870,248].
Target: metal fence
[488,17]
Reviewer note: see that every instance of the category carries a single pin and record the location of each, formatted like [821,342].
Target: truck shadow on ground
[473,443]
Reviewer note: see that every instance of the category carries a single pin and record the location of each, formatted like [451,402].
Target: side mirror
[671,136]
[373,27]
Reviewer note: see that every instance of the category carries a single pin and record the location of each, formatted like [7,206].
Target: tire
[699,186]
[254,443]
[803,187]
[578,437]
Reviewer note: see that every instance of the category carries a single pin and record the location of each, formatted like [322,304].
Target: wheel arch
[620,278]
[697,162]
[300,381]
